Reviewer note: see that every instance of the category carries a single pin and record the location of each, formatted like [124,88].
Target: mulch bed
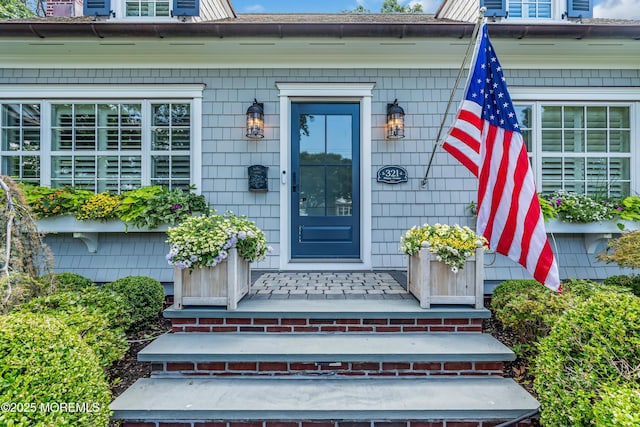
[127,370]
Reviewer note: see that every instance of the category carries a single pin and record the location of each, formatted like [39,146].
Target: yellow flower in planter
[451,244]
[101,206]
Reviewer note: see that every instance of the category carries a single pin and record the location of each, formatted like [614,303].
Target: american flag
[486,138]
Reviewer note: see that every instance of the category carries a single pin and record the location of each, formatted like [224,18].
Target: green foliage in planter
[594,345]
[155,205]
[68,281]
[99,317]
[630,209]
[618,407]
[48,202]
[631,282]
[42,362]
[143,296]
[144,207]
[547,208]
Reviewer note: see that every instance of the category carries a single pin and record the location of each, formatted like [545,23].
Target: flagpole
[472,43]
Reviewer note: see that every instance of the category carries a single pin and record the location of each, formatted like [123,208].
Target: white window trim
[300,91]
[558,8]
[609,96]
[39,93]
[120,9]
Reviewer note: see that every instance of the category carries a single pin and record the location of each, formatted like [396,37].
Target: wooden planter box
[224,284]
[433,282]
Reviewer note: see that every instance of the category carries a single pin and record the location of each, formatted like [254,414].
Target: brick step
[335,316]
[472,401]
[324,354]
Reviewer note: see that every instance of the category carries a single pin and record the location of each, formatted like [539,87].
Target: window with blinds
[583,148]
[98,146]
[20,141]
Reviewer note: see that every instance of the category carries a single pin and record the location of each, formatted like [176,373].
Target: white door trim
[318,92]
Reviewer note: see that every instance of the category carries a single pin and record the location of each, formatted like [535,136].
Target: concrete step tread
[323,398]
[440,347]
[329,309]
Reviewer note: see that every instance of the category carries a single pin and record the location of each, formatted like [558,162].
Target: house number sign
[392,175]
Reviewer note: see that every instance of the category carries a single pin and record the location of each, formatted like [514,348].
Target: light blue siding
[226,153]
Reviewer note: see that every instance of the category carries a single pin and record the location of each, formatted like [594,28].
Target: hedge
[45,364]
[144,297]
[593,347]
[99,317]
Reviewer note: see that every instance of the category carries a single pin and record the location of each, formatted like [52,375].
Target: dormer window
[529,8]
[119,9]
[147,7]
[538,9]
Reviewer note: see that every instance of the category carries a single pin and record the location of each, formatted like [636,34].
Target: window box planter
[224,284]
[69,224]
[433,282]
[88,231]
[593,231]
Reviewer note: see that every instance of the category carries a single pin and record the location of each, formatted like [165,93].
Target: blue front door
[325,181]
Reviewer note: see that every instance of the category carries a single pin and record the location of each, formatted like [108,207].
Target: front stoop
[311,363]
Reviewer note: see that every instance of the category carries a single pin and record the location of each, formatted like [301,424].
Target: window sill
[88,231]
[593,231]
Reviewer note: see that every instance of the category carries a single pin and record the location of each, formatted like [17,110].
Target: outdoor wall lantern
[255,120]
[395,121]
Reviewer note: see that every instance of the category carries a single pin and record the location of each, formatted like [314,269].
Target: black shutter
[96,7]
[494,7]
[186,8]
[580,8]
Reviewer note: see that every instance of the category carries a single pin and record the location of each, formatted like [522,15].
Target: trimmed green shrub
[143,295]
[528,309]
[584,288]
[631,282]
[68,281]
[100,318]
[507,289]
[593,346]
[45,364]
[618,407]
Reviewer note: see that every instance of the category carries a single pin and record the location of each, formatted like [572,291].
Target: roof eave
[340,30]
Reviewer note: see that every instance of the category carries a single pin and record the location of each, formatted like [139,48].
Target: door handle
[294,183]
